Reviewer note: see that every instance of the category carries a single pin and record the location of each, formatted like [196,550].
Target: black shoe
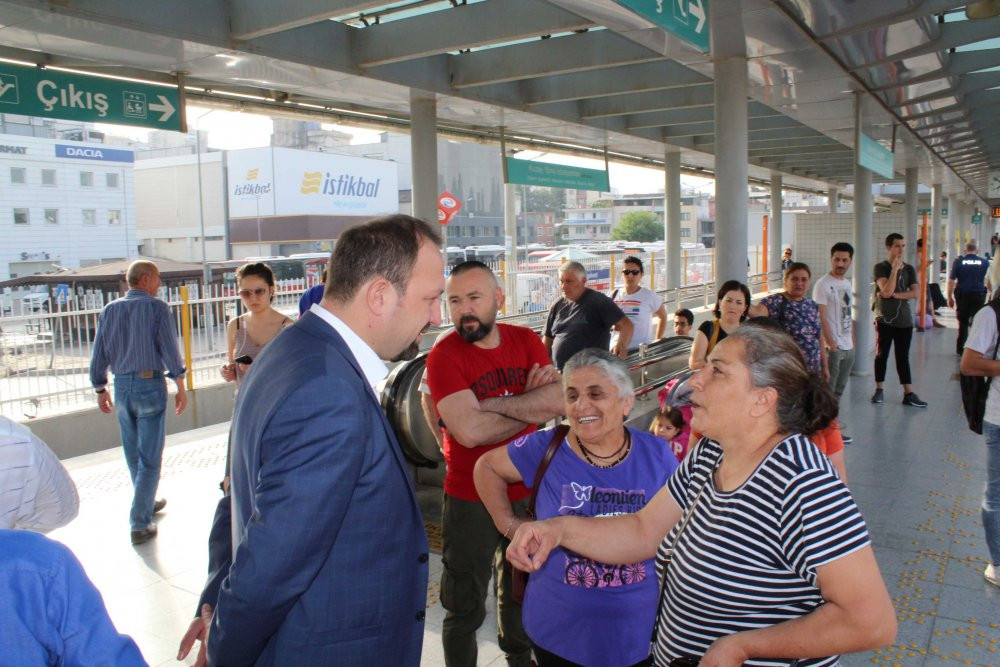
[159,505]
[914,400]
[877,397]
[142,536]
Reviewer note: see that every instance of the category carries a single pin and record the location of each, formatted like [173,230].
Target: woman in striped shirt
[763,555]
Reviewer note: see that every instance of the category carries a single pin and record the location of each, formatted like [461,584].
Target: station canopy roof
[577,74]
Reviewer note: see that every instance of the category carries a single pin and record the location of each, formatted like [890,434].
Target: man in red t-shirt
[490,383]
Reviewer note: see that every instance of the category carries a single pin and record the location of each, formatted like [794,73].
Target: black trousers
[967,304]
[546,659]
[887,336]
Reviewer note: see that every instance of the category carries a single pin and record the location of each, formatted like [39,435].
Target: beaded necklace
[621,453]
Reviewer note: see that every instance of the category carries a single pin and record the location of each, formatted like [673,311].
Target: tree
[642,226]
[545,199]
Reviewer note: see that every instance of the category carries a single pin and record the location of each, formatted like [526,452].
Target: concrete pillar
[951,228]
[864,260]
[774,226]
[833,198]
[910,231]
[730,168]
[935,231]
[510,247]
[423,154]
[672,218]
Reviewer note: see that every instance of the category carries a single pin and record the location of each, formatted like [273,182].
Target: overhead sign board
[995,212]
[44,92]
[977,218]
[545,174]
[874,156]
[688,19]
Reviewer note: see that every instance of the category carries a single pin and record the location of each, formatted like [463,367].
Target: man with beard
[329,549]
[491,383]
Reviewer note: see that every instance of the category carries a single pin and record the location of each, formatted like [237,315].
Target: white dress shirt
[374,368]
[36,492]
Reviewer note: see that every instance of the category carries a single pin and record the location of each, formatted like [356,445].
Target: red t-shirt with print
[454,365]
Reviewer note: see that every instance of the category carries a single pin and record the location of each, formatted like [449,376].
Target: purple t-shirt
[581,610]
[801,320]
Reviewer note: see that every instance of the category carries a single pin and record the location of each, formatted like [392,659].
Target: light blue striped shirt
[135,333]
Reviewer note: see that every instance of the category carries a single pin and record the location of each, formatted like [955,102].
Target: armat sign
[448,207]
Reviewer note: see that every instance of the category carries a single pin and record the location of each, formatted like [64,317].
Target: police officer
[967,289]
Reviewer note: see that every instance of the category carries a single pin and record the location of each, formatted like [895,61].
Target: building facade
[63,204]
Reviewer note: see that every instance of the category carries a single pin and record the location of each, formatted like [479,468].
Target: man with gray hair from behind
[583,318]
[137,340]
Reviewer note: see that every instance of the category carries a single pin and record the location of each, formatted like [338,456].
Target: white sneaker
[992,574]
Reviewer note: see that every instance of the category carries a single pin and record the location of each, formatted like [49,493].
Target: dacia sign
[56,94]
[94,153]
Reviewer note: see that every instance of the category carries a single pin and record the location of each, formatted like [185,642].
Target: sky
[229,130]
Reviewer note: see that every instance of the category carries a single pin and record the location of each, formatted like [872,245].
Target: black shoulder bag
[976,388]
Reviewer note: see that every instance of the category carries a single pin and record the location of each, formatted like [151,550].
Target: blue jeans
[991,497]
[142,407]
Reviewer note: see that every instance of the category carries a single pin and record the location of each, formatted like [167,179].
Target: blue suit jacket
[330,554]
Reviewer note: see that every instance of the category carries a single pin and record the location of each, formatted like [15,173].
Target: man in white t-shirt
[832,293]
[639,304]
[978,359]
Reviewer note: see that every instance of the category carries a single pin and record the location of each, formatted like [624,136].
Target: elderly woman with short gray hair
[580,610]
[763,554]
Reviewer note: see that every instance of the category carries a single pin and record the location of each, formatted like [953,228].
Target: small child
[668,424]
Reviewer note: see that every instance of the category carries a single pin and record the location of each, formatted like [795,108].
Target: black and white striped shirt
[747,558]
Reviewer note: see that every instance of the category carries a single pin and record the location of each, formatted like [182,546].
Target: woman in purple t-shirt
[577,610]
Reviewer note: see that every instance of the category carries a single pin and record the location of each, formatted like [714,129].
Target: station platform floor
[917,475]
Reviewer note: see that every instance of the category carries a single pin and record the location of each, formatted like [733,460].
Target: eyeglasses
[631,272]
[257,291]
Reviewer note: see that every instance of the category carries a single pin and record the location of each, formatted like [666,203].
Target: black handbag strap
[558,433]
[996,311]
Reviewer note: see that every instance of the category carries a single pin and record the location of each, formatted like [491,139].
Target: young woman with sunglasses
[251,331]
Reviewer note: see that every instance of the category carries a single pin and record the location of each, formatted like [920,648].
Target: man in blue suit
[330,555]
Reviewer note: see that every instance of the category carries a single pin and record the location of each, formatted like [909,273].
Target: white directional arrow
[167,109]
[682,8]
[696,9]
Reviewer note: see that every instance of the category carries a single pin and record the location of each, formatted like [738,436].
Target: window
[114,217]
[48,176]
[685,232]
[686,215]
[111,180]
[17,175]
[21,216]
[87,179]
[52,216]
[89,216]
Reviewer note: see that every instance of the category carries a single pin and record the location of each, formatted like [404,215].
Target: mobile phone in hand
[245,359]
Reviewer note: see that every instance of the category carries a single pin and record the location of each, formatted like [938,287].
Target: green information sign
[44,92]
[874,156]
[977,219]
[922,211]
[528,172]
[688,19]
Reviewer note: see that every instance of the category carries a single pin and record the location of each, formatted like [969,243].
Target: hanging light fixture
[982,9]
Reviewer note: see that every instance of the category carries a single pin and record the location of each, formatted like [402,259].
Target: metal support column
[423,153]
[863,256]
[935,232]
[951,228]
[672,218]
[774,229]
[833,198]
[912,229]
[730,167]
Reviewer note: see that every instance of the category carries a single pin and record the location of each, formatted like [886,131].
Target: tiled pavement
[917,475]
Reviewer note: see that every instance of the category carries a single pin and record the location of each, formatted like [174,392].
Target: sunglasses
[631,272]
[257,291]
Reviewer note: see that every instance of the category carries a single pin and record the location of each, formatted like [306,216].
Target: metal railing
[45,354]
